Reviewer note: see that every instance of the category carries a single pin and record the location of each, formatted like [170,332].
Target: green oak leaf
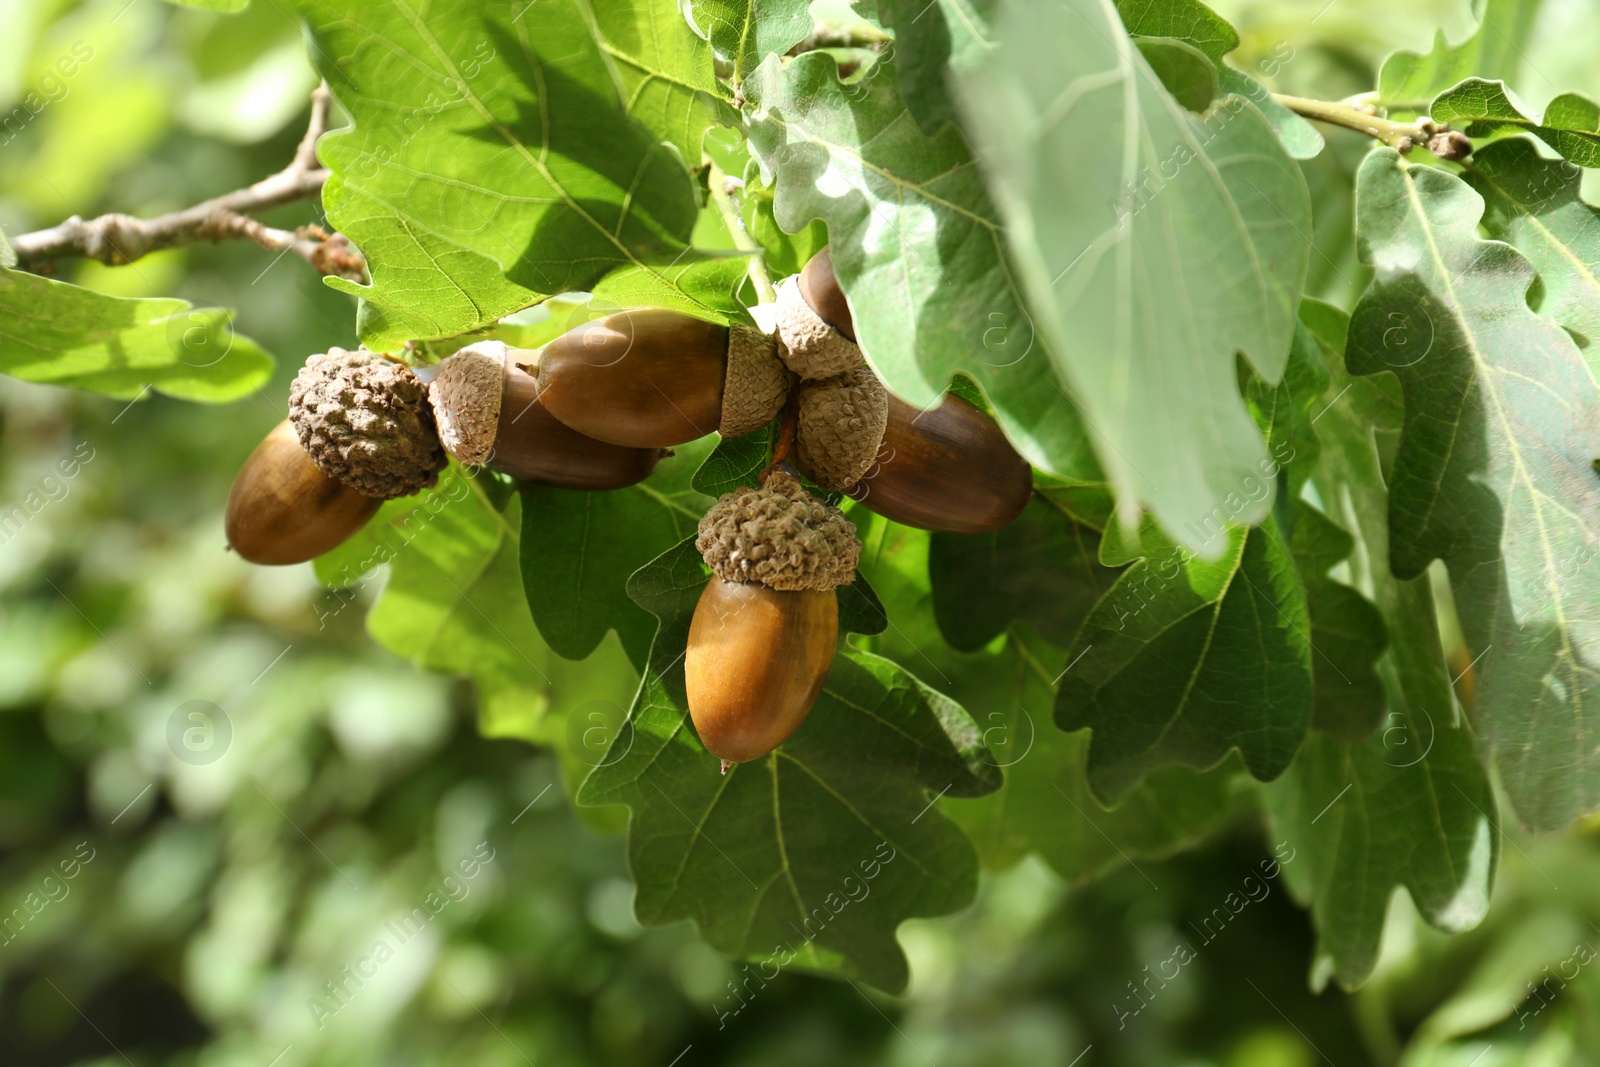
[1040,576]
[785,253]
[60,334]
[1408,81]
[703,288]
[1570,124]
[1045,805]
[814,854]
[579,547]
[229,6]
[1411,805]
[735,461]
[1154,245]
[503,155]
[453,601]
[1368,824]
[745,32]
[1042,569]
[937,41]
[1347,631]
[916,245]
[1185,660]
[1494,473]
[1284,412]
[1537,205]
[1187,20]
[1299,138]
[1188,75]
[931,42]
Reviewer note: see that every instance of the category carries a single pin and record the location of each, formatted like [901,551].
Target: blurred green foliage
[229,889]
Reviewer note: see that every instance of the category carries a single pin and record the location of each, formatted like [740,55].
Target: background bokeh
[246,789]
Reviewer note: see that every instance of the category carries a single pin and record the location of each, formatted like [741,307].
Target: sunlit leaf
[502,154]
[1154,246]
[62,334]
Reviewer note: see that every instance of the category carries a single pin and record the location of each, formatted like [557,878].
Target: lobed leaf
[61,334]
[1187,20]
[1410,805]
[452,602]
[745,32]
[501,155]
[579,547]
[1537,205]
[1347,631]
[1045,805]
[1185,660]
[1408,81]
[1495,471]
[1041,569]
[813,855]
[1570,124]
[916,246]
[736,461]
[1154,246]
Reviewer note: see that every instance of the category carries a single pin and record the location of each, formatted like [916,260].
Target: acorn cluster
[597,409]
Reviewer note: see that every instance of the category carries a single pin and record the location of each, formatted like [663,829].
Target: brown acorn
[949,469]
[762,638]
[488,412]
[821,291]
[757,661]
[284,509]
[654,378]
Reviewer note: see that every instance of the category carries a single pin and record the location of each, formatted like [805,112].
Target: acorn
[364,419]
[762,637]
[816,333]
[488,412]
[948,469]
[822,293]
[655,378]
[284,509]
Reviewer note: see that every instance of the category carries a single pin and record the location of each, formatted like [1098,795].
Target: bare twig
[329,253]
[118,239]
[1361,115]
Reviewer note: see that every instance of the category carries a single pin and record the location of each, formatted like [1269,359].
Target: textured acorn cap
[757,382]
[811,347]
[780,536]
[364,420]
[840,427]
[465,395]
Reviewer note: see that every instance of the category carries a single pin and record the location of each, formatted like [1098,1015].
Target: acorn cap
[841,424]
[811,347]
[364,419]
[780,536]
[465,395]
[757,382]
